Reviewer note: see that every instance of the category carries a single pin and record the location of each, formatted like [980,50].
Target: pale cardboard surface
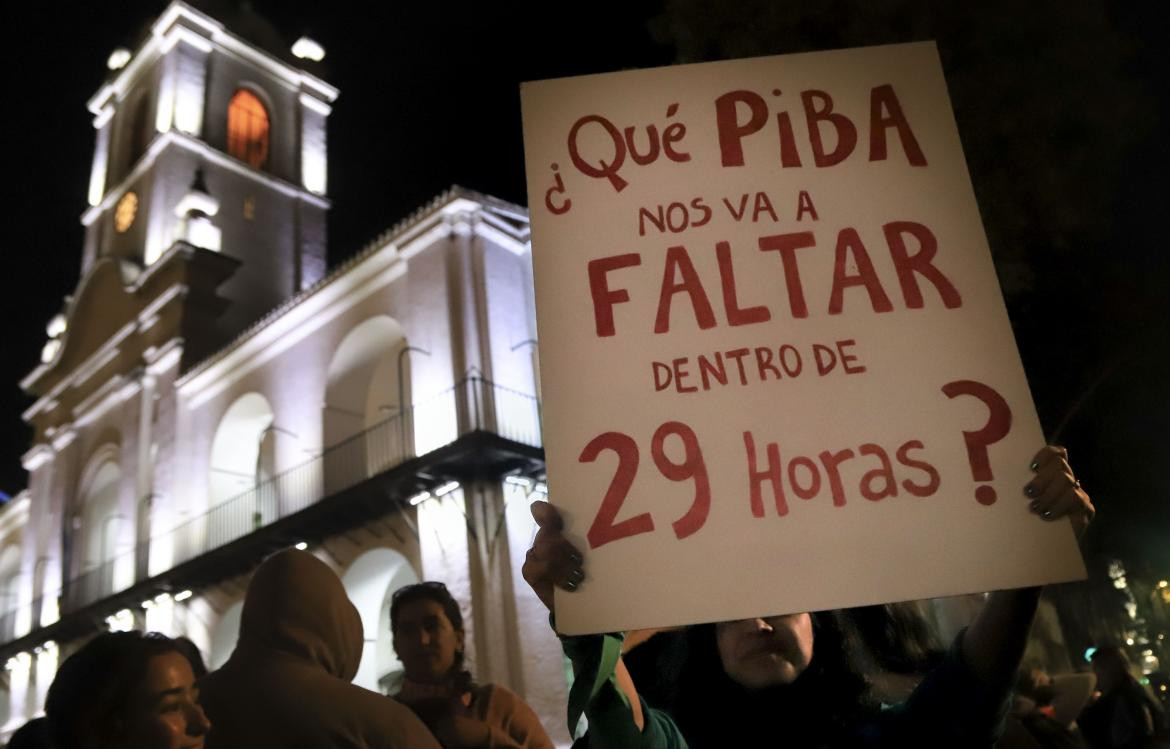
[818,556]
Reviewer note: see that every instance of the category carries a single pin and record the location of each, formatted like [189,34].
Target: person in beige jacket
[428,636]
[287,684]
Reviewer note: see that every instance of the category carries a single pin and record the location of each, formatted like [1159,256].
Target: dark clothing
[32,735]
[1125,718]
[950,708]
[287,684]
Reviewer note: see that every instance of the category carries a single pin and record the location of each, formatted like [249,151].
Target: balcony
[475,430]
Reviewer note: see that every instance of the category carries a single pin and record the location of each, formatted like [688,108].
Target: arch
[363,396]
[241,449]
[240,495]
[9,591]
[5,705]
[248,128]
[102,544]
[370,582]
[9,571]
[223,639]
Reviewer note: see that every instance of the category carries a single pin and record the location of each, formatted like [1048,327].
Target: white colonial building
[212,393]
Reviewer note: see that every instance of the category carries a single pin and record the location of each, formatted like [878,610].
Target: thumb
[546,516]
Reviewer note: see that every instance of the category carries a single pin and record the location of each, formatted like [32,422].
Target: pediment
[101,307]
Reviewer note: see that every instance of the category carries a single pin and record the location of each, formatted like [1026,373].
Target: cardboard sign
[778,373]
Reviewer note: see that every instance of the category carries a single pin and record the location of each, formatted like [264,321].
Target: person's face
[164,711]
[426,641]
[758,653]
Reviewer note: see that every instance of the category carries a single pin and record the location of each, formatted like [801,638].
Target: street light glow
[307,49]
[118,59]
[419,498]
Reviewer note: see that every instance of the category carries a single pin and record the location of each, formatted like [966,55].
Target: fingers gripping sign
[552,561]
[1055,491]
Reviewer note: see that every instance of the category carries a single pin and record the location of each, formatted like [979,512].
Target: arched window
[241,452]
[363,404]
[242,495]
[105,541]
[247,137]
[9,591]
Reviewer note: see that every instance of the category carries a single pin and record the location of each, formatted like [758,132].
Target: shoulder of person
[500,705]
[386,710]
[516,722]
[495,697]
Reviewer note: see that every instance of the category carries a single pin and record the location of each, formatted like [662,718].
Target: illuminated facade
[210,394]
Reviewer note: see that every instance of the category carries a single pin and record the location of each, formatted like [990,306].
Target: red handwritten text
[680,278]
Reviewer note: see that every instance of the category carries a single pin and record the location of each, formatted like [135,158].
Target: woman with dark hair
[194,657]
[427,626]
[126,690]
[1125,716]
[761,681]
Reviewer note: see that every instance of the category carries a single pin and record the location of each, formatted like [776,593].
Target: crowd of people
[866,677]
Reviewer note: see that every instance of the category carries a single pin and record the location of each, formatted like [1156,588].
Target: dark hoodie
[287,684]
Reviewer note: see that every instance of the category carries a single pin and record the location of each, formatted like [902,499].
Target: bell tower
[207,206]
[213,138]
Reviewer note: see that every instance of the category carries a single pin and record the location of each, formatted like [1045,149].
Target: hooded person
[287,684]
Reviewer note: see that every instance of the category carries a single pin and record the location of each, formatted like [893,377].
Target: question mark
[559,188]
[999,423]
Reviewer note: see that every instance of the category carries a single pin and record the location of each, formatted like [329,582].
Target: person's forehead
[421,609]
[168,671]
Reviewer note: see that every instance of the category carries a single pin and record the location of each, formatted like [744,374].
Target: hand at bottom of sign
[552,561]
[1055,492]
[994,644]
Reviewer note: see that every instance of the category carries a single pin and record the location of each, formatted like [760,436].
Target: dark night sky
[1059,105]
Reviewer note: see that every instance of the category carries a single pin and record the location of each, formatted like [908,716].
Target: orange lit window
[247,138]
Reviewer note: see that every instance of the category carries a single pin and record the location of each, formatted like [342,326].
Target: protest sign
[777,369]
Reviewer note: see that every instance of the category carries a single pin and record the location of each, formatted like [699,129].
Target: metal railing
[473,404]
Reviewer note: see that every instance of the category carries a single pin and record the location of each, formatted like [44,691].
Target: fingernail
[1030,490]
[1034,506]
[1047,514]
[1034,466]
[570,585]
[576,558]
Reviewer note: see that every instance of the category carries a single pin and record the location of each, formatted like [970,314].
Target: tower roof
[236,19]
[242,19]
